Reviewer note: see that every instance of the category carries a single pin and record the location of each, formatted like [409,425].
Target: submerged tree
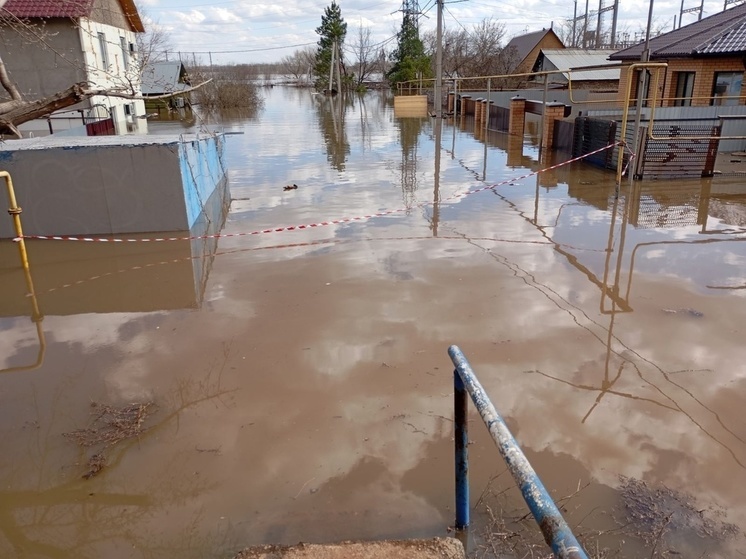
[332,32]
[410,60]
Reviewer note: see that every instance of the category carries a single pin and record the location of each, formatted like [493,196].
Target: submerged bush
[220,95]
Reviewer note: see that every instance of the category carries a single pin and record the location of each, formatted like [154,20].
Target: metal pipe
[15,213]
[461,448]
[36,315]
[556,532]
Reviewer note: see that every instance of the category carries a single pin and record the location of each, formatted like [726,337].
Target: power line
[248,50]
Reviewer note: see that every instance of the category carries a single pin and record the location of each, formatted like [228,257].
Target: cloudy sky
[262,31]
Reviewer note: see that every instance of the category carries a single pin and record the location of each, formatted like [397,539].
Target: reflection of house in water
[79,277]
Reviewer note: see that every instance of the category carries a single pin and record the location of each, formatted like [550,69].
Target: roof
[721,34]
[572,59]
[164,77]
[524,44]
[68,8]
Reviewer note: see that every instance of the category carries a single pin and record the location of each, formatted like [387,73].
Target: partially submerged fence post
[517,115]
[556,532]
[461,437]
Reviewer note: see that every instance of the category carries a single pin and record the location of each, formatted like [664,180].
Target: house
[705,61]
[601,75]
[48,46]
[163,78]
[528,47]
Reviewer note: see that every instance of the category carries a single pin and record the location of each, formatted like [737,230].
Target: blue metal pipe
[461,445]
[556,532]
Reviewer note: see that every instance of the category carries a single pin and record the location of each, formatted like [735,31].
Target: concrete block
[111,185]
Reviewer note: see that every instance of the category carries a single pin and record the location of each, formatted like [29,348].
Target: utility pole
[439,64]
[331,67]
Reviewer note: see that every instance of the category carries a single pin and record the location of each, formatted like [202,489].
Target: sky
[251,31]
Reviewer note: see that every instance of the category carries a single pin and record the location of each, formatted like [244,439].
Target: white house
[48,46]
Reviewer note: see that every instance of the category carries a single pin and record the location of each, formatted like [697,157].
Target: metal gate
[564,135]
[691,156]
[499,118]
[591,134]
[104,127]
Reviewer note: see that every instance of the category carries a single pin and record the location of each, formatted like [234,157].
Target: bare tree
[485,48]
[153,45]
[298,65]
[364,53]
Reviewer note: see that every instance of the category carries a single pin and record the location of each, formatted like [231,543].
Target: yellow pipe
[36,315]
[15,213]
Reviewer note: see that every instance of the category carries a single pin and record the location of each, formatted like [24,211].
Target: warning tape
[301,245]
[308,225]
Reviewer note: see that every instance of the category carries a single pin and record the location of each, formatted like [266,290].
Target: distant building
[527,48]
[705,61]
[165,78]
[601,75]
[65,42]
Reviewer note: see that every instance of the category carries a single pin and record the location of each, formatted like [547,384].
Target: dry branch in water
[108,427]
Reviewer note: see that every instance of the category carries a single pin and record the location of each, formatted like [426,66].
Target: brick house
[47,46]
[705,61]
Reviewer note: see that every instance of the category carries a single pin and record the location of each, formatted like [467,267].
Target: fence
[556,532]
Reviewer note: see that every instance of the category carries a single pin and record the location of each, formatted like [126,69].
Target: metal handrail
[556,532]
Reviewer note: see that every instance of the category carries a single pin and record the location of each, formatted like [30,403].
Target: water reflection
[302,375]
[332,111]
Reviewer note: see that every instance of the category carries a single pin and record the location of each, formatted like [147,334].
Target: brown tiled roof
[721,34]
[49,8]
[66,8]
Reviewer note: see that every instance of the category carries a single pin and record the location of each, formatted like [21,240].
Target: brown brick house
[705,61]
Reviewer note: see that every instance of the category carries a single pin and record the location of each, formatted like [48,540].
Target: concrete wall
[38,71]
[110,184]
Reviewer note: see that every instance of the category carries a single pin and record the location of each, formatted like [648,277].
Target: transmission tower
[411,8]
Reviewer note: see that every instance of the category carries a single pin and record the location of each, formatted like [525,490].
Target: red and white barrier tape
[308,225]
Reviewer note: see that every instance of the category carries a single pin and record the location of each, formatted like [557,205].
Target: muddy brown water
[301,379]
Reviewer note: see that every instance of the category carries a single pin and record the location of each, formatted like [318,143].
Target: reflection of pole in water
[436,178]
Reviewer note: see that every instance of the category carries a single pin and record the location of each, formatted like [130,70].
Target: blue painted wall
[202,169]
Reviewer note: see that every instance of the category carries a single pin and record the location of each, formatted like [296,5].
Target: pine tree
[410,60]
[333,29]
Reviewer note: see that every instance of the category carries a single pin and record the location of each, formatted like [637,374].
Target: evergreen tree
[410,60]
[332,29]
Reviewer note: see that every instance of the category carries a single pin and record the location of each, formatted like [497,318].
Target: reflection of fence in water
[667,206]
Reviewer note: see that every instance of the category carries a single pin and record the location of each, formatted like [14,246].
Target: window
[684,89]
[104,54]
[726,88]
[125,52]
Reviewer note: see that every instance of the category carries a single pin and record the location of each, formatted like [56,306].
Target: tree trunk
[18,113]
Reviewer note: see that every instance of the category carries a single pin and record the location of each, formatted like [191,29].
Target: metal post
[487,118]
[461,448]
[546,514]
[15,213]
[439,62]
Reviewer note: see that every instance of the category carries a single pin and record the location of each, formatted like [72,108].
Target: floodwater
[300,378]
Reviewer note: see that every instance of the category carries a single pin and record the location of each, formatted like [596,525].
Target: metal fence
[556,532]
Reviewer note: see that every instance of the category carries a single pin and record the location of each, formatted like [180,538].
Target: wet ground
[297,382]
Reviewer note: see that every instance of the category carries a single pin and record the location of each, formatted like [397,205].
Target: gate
[591,134]
[564,134]
[689,156]
[103,127]
[499,118]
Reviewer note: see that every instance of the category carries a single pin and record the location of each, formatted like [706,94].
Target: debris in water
[109,426]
